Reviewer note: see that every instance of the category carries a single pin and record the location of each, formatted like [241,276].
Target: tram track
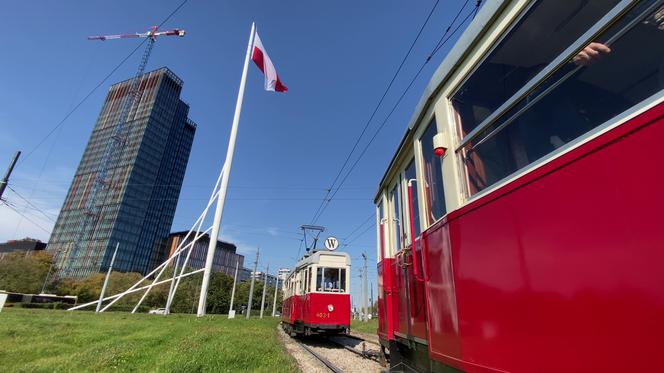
[330,354]
[358,346]
[333,368]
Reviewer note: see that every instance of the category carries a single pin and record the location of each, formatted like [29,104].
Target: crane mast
[117,141]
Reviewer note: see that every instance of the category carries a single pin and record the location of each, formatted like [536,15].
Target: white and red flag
[263,61]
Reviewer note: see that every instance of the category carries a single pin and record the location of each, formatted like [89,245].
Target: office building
[225,256]
[136,205]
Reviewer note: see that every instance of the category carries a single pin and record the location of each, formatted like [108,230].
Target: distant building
[245,274]
[135,207]
[283,273]
[26,245]
[225,256]
[271,279]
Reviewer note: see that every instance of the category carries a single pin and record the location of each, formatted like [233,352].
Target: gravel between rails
[359,345]
[345,360]
[305,361]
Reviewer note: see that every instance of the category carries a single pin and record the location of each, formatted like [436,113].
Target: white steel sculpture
[183,249]
[187,244]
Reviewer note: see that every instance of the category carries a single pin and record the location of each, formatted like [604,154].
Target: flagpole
[225,173]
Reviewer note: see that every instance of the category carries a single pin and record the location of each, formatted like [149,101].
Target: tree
[219,296]
[24,272]
[242,297]
[89,288]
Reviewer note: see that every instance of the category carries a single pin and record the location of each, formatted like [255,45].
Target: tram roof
[446,69]
[316,256]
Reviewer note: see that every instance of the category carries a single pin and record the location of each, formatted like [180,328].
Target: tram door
[409,284]
[385,271]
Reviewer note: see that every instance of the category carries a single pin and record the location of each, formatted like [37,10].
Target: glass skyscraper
[137,202]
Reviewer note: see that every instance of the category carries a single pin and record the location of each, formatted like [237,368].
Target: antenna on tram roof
[317,229]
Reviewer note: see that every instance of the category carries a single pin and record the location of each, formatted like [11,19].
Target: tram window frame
[429,162]
[488,129]
[416,201]
[396,215]
[341,281]
[381,227]
[496,49]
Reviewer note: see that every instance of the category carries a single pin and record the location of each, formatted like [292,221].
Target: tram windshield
[331,279]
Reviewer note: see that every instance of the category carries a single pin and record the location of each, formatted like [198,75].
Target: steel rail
[367,354]
[320,358]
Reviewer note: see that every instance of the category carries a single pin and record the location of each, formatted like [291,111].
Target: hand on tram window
[592,53]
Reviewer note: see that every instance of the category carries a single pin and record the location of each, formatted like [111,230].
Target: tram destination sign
[331,243]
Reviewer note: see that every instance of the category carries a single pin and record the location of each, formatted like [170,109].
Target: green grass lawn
[369,327]
[47,340]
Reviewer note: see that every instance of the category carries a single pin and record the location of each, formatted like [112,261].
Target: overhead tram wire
[373,114]
[438,45]
[31,204]
[85,98]
[403,94]
[25,217]
[440,42]
[347,243]
[359,227]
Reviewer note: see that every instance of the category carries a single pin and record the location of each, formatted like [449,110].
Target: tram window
[331,279]
[545,31]
[396,218]
[433,176]
[582,95]
[410,174]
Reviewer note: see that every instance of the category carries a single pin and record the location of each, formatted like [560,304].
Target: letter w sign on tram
[331,243]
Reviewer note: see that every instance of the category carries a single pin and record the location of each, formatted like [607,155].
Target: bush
[52,306]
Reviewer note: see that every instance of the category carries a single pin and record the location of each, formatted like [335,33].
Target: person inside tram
[331,279]
[601,81]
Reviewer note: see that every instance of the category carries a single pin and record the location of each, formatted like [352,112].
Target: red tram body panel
[317,295]
[540,283]
[532,240]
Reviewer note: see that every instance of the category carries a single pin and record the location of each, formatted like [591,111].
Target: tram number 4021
[323,315]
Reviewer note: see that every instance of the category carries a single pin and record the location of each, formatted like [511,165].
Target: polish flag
[262,60]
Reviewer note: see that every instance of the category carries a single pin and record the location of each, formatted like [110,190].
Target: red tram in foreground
[520,223]
[317,295]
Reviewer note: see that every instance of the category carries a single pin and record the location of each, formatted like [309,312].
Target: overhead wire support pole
[364,288]
[225,173]
[276,292]
[230,309]
[267,270]
[5,179]
[251,286]
[108,275]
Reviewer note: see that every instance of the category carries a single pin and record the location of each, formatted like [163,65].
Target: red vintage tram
[515,229]
[317,295]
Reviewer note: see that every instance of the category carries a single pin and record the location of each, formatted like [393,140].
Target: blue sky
[336,58]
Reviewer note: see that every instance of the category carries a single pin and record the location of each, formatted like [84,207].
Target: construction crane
[118,139]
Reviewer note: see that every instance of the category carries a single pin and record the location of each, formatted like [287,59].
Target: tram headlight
[330,307]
